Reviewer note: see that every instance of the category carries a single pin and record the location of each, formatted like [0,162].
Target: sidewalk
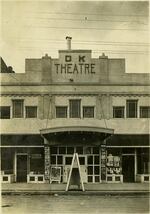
[109,188]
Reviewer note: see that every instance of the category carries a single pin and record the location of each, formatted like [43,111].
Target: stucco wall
[80,68]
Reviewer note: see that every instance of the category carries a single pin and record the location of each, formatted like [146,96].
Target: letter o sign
[68,58]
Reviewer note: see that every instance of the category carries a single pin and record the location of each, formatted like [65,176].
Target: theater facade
[75,104]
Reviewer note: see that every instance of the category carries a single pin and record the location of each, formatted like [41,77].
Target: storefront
[101,161]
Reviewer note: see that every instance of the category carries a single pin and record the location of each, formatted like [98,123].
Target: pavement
[98,188]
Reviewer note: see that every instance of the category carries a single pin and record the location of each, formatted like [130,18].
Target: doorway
[128,168]
[22,167]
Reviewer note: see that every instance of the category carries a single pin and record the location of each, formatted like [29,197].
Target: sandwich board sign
[75,161]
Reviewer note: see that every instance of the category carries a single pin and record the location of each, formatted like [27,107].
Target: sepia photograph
[74,107]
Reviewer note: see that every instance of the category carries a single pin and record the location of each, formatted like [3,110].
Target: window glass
[95,150]
[90,170]
[118,112]
[37,162]
[82,160]
[59,159]
[90,159]
[53,159]
[53,150]
[61,112]
[88,111]
[131,108]
[145,111]
[62,150]
[79,150]
[68,160]
[70,150]
[5,112]
[75,108]
[31,111]
[17,108]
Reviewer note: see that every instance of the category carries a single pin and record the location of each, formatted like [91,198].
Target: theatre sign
[69,67]
[74,64]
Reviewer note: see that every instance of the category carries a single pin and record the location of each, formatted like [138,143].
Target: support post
[135,164]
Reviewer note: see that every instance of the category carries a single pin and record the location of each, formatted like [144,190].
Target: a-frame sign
[75,158]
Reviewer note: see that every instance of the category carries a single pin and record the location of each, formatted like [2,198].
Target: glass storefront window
[53,150]
[59,159]
[79,150]
[95,150]
[82,160]
[62,150]
[7,160]
[53,159]
[96,159]
[143,161]
[68,160]
[70,150]
[90,159]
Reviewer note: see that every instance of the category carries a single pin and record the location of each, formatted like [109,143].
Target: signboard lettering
[71,67]
[75,68]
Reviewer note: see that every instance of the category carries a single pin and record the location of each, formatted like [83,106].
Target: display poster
[55,174]
[47,161]
[103,162]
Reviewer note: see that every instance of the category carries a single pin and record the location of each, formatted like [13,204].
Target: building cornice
[74,84]
[115,94]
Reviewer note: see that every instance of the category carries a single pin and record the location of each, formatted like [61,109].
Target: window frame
[148,107]
[91,107]
[31,107]
[65,107]
[123,109]
[71,112]
[1,112]
[128,113]
[22,108]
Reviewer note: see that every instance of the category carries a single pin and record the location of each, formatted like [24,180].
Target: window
[118,112]
[75,108]
[17,108]
[131,108]
[31,111]
[61,112]
[88,111]
[145,111]
[4,112]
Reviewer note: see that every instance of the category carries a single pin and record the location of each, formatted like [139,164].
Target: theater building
[75,104]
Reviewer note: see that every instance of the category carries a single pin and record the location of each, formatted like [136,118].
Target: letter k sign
[81,58]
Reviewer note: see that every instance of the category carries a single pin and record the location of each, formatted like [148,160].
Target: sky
[30,29]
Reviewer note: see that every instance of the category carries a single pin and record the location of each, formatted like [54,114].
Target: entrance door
[128,168]
[21,168]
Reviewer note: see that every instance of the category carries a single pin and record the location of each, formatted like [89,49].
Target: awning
[76,134]
[22,140]
[76,129]
[129,141]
